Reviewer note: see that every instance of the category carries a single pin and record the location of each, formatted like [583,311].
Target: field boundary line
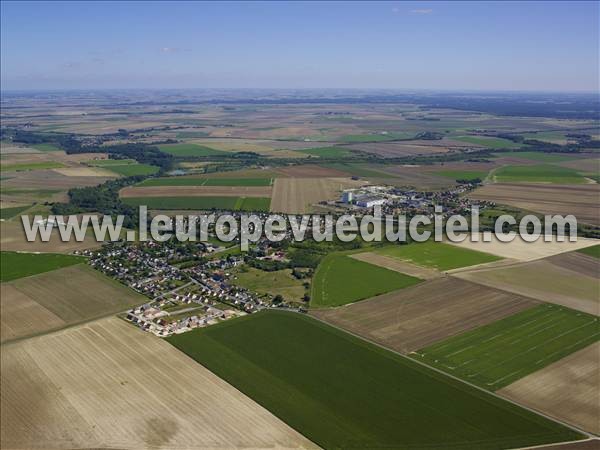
[572,427]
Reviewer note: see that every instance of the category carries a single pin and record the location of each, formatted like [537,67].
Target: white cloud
[421,11]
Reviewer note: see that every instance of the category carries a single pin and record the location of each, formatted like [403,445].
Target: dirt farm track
[109,385]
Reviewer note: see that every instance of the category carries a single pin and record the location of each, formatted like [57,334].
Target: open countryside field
[301,373]
[30,166]
[437,255]
[109,385]
[296,195]
[545,173]
[340,279]
[525,251]
[566,389]
[195,191]
[72,294]
[591,251]
[12,211]
[277,282]
[18,265]
[498,354]
[131,170]
[203,181]
[570,280]
[202,203]
[397,265]
[580,200]
[488,142]
[190,150]
[421,315]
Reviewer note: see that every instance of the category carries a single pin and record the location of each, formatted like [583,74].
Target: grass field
[591,251]
[110,162]
[358,138]
[538,156]
[7,213]
[342,392]
[543,173]
[46,147]
[190,150]
[30,166]
[203,181]
[489,142]
[496,355]
[329,152]
[437,255]
[201,203]
[278,282]
[340,279]
[462,174]
[358,170]
[131,170]
[18,265]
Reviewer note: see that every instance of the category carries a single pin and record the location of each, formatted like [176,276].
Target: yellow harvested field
[22,316]
[297,195]
[566,390]
[64,297]
[12,238]
[86,172]
[397,265]
[580,200]
[563,282]
[196,191]
[107,384]
[520,250]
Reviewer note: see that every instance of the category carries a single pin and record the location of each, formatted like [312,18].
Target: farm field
[545,173]
[437,255]
[9,213]
[498,354]
[526,251]
[30,166]
[424,314]
[566,389]
[190,150]
[568,280]
[488,142]
[340,279]
[195,191]
[12,238]
[301,373]
[462,174]
[203,181]
[18,265]
[591,251]
[71,294]
[579,200]
[278,282]
[202,203]
[107,384]
[541,157]
[86,172]
[296,195]
[397,265]
[329,152]
[131,170]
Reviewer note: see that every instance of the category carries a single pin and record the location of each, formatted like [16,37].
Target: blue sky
[405,45]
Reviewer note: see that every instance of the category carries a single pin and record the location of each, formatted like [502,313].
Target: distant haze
[518,46]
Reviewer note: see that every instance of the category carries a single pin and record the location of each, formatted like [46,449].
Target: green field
[190,150]
[110,162]
[132,170]
[202,203]
[538,156]
[342,392]
[7,213]
[46,147]
[18,265]
[591,251]
[496,355]
[358,170]
[329,152]
[437,255]
[203,181]
[30,166]
[543,173]
[548,136]
[277,282]
[463,174]
[340,279]
[361,138]
[489,142]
